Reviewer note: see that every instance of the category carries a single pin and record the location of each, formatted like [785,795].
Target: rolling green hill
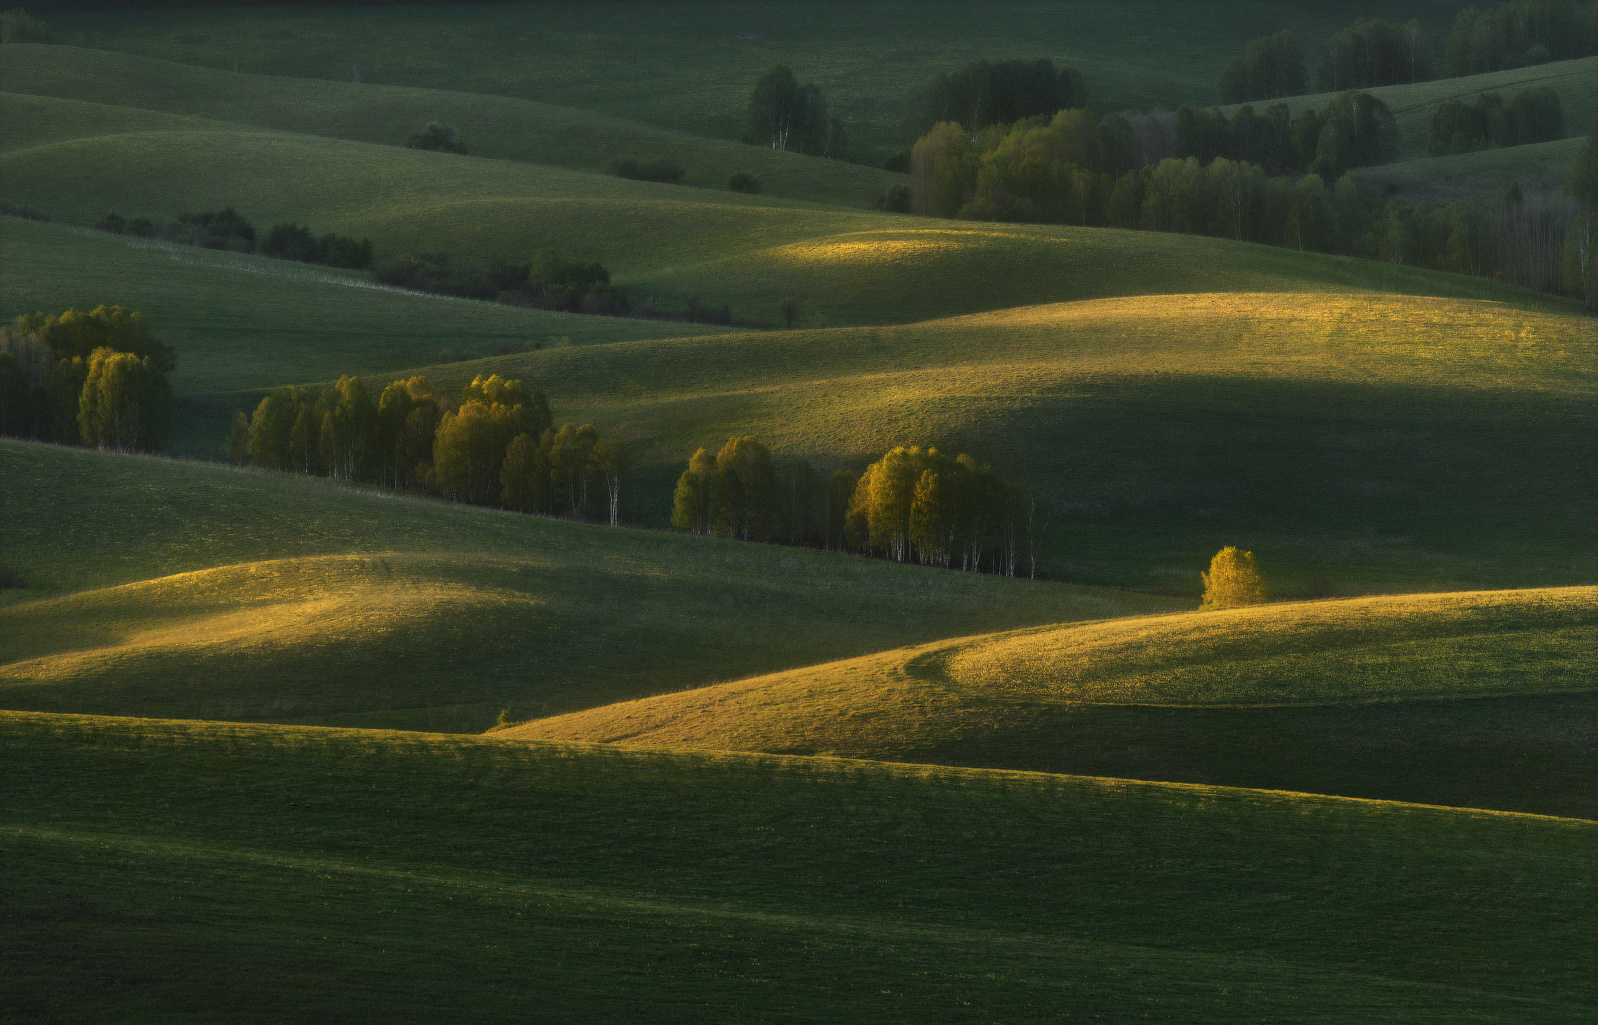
[241,323]
[1576,82]
[206,592]
[1385,442]
[492,126]
[690,66]
[1477,699]
[1540,168]
[658,240]
[158,870]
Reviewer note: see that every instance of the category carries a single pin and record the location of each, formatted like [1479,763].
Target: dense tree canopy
[987,93]
[1271,67]
[785,115]
[96,378]
[1375,53]
[1520,34]
[1532,115]
[913,504]
[496,445]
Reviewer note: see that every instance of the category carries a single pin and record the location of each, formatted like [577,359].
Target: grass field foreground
[315,874]
[1481,699]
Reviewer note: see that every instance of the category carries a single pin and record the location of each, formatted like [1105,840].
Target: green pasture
[1576,82]
[492,126]
[1474,699]
[1540,168]
[211,872]
[1382,442]
[160,587]
[242,324]
[660,241]
[689,67]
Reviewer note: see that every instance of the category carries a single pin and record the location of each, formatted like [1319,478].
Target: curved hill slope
[491,126]
[312,874]
[1482,699]
[1385,442]
[206,592]
[667,241]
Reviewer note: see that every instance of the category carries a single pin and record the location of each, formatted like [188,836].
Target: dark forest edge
[1199,172]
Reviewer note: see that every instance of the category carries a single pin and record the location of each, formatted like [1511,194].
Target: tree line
[497,445]
[1056,172]
[987,93]
[1532,115]
[1377,52]
[912,505]
[1063,167]
[228,229]
[96,378]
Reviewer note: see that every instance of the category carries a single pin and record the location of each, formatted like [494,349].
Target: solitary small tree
[1233,581]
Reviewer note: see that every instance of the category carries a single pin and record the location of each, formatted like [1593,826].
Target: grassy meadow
[291,873]
[1476,699]
[689,67]
[281,748]
[206,592]
[1383,441]
[501,127]
[664,242]
[1542,167]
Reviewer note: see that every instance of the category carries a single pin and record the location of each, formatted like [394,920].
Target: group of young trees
[1580,264]
[1057,171]
[1076,169]
[1376,53]
[497,446]
[788,116]
[228,229]
[1520,34]
[1532,115]
[987,93]
[912,505]
[96,378]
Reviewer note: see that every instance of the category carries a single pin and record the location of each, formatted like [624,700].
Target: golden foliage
[1233,581]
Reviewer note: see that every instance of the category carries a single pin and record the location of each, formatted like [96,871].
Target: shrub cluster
[548,281]
[912,505]
[662,170]
[496,446]
[1533,115]
[96,378]
[439,137]
[228,229]
[743,181]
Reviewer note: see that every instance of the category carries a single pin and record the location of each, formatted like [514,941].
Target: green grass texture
[77,160]
[242,324]
[1386,442]
[690,67]
[491,126]
[1542,167]
[200,591]
[1473,699]
[159,870]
